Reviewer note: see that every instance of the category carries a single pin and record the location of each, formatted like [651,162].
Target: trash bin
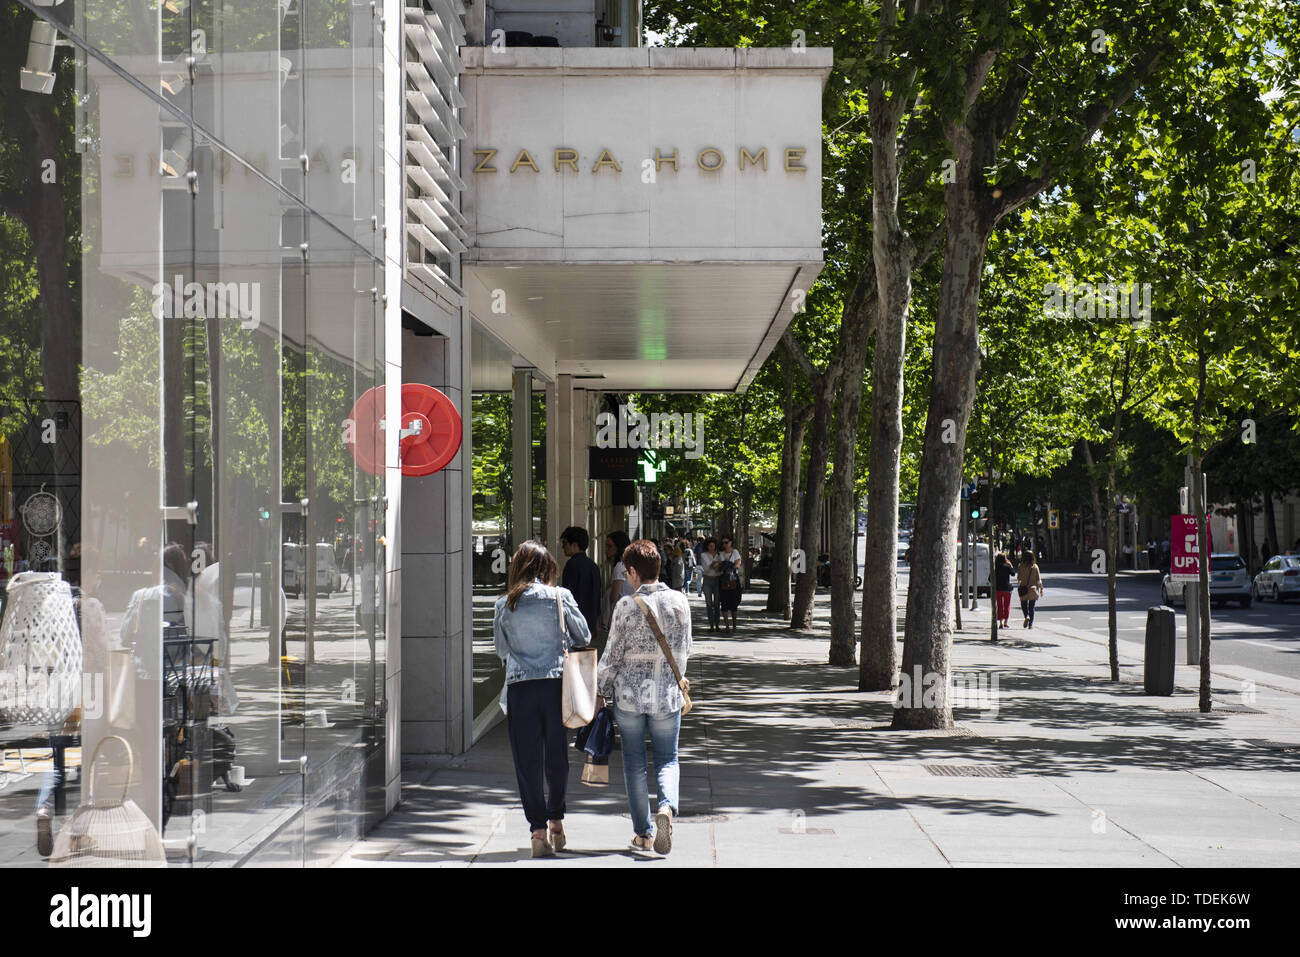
[1158,667]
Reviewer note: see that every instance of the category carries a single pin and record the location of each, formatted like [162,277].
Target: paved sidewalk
[784,763]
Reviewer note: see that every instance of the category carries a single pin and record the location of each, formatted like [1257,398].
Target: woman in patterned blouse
[634,672]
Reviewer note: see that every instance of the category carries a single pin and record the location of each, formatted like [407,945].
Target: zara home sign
[709,159]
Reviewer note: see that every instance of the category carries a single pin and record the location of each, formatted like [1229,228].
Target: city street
[1265,636]
[784,762]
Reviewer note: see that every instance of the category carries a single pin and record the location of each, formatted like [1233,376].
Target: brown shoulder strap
[659,636]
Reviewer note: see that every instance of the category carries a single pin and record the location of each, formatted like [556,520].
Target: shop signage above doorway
[615,464]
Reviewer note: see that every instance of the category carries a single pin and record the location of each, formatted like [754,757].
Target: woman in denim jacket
[527,635]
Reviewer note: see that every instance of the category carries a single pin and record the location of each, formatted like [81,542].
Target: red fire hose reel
[430,434]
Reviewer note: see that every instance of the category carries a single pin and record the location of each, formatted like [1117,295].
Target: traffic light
[979,517]
[264,513]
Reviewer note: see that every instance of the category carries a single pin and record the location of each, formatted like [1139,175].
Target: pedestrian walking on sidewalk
[615,542]
[730,582]
[1002,571]
[711,562]
[1030,585]
[677,562]
[698,550]
[688,564]
[528,637]
[581,575]
[636,673]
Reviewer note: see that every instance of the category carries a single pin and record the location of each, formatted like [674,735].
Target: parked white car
[1279,579]
[1229,581]
[328,576]
[981,565]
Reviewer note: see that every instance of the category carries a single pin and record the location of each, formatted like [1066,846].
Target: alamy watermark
[209,300]
[1106,300]
[658,430]
[36,692]
[971,689]
[73,910]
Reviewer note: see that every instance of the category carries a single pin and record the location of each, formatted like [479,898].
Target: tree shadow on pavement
[776,731]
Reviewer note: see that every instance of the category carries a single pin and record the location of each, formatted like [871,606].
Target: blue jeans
[51,794]
[633,726]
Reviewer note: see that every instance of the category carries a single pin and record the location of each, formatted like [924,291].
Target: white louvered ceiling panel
[641,326]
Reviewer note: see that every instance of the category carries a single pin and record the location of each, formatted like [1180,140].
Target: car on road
[328,577]
[1279,579]
[980,564]
[1229,581]
[904,546]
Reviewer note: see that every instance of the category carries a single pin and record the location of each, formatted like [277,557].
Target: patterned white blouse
[633,671]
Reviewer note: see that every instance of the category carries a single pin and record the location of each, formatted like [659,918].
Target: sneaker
[44,832]
[664,830]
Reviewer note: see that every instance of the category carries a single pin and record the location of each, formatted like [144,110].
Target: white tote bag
[578,702]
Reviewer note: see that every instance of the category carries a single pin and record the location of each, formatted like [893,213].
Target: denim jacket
[528,639]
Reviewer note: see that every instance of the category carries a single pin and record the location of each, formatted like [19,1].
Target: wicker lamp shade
[40,651]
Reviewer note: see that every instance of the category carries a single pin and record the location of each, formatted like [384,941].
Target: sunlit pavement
[784,763]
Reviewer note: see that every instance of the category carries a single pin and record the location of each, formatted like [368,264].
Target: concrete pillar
[521,471]
[582,439]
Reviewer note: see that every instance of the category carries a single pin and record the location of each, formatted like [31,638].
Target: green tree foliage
[20,329]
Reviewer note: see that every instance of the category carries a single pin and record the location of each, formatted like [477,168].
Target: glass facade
[493,535]
[188,331]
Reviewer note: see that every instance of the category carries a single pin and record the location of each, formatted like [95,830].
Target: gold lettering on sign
[709,159]
[523,159]
[660,159]
[605,159]
[566,157]
[710,152]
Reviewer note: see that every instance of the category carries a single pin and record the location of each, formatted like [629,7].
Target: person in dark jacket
[1002,571]
[581,575]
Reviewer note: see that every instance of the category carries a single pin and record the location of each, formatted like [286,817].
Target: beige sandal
[642,843]
[558,840]
[542,847]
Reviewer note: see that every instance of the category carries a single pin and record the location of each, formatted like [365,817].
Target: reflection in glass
[222,550]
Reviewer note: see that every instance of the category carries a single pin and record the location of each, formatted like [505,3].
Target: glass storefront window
[178,455]
[493,534]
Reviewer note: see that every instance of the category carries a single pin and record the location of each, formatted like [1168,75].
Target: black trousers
[540,746]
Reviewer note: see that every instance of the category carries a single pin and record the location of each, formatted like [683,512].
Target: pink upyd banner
[1184,563]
